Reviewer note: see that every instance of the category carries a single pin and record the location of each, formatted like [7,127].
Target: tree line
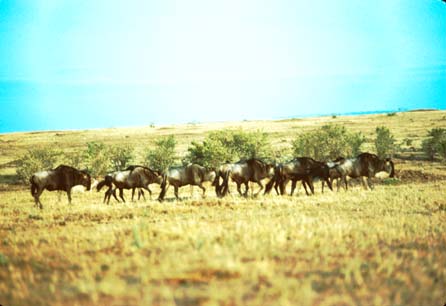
[325,143]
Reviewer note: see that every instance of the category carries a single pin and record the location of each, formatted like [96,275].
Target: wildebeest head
[85,179]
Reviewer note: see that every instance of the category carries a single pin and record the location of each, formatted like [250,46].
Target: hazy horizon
[82,65]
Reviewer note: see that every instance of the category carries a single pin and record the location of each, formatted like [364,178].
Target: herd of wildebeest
[304,169]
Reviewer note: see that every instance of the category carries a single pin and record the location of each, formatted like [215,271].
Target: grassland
[380,247]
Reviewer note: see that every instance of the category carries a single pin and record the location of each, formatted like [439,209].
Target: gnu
[61,178]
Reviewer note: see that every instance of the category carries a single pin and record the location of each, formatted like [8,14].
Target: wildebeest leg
[270,185]
[121,194]
[239,188]
[261,188]
[141,193]
[247,189]
[37,198]
[369,182]
[305,187]
[344,180]
[329,182]
[309,182]
[107,196]
[163,192]
[176,192]
[133,193]
[282,186]
[202,188]
[277,188]
[293,186]
[150,193]
[69,195]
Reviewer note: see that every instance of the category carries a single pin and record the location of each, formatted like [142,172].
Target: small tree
[75,159]
[35,160]
[229,146]
[441,147]
[384,142]
[121,156]
[97,156]
[210,153]
[251,144]
[355,140]
[435,144]
[327,143]
[163,155]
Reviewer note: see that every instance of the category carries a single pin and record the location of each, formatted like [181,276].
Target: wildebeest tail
[224,187]
[107,181]
[276,179]
[33,186]
[392,172]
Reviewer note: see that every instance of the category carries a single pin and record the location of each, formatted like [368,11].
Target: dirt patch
[418,176]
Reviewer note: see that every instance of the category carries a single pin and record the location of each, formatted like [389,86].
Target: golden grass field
[355,247]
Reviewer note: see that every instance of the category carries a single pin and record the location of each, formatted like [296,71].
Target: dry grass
[380,247]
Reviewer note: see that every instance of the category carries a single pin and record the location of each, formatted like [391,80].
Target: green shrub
[391,181]
[229,146]
[210,153]
[435,144]
[163,156]
[384,142]
[75,159]
[35,160]
[327,143]
[97,158]
[121,156]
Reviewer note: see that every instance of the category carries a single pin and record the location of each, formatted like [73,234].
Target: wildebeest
[303,169]
[243,172]
[192,174]
[61,178]
[333,172]
[365,165]
[131,178]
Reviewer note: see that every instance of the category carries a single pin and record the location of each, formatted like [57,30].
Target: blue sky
[68,64]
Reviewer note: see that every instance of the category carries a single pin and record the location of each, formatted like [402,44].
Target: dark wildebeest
[61,178]
[365,165]
[131,178]
[333,172]
[243,172]
[303,169]
[191,174]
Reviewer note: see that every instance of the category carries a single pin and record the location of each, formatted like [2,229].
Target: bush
[384,142]
[97,157]
[121,156]
[228,146]
[163,155]
[210,153]
[435,144]
[75,159]
[35,160]
[328,142]
[247,145]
